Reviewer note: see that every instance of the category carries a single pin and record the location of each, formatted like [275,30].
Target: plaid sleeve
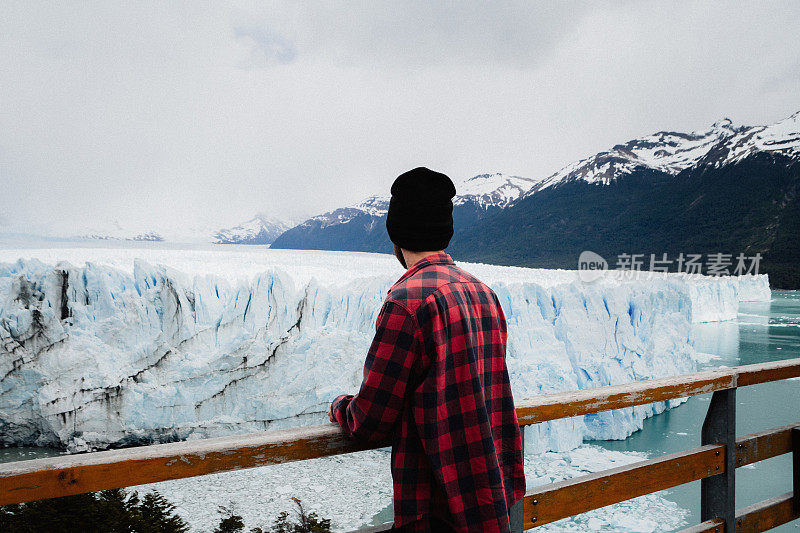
[372,413]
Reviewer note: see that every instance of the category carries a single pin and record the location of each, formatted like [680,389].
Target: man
[435,379]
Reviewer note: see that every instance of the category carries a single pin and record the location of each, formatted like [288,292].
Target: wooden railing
[714,462]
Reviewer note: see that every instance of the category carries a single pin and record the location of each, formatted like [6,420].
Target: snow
[487,190]
[374,206]
[783,137]
[668,152]
[672,152]
[261,226]
[235,340]
[201,231]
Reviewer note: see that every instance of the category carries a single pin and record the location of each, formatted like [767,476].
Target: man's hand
[330,413]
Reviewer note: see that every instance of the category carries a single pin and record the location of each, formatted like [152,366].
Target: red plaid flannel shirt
[436,384]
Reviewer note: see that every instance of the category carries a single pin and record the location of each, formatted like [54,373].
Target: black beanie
[420,217]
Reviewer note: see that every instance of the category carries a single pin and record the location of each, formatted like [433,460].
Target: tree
[110,511]
[230,523]
[157,515]
[307,522]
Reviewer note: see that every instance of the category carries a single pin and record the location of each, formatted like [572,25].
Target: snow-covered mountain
[374,206]
[671,152]
[360,227]
[261,229]
[99,229]
[483,190]
[492,190]
[730,189]
[782,138]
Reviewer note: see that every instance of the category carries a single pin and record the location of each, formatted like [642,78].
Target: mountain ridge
[672,152]
[750,206]
[702,172]
[361,227]
[261,229]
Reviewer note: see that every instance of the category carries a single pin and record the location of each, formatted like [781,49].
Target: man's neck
[412,258]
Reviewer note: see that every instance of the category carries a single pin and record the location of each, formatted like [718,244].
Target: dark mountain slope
[749,207]
[364,232]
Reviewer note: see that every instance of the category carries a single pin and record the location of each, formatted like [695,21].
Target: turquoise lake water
[764,331]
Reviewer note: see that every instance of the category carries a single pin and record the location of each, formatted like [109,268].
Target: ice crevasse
[96,355]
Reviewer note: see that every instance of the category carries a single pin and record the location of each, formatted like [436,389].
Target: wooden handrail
[764,445]
[559,500]
[587,401]
[717,525]
[577,495]
[766,515]
[75,474]
[65,475]
[754,518]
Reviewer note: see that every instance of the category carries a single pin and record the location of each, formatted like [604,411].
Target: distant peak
[724,124]
[492,189]
[496,176]
[374,200]
[484,176]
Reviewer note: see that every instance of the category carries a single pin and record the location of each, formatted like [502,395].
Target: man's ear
[398,253]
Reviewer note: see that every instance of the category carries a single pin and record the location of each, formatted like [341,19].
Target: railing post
[718,493]
[516,513]
[796,469]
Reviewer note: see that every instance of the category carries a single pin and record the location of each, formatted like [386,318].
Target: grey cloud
[423,34]
[142,112]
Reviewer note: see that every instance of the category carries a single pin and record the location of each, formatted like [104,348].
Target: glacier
[104,347]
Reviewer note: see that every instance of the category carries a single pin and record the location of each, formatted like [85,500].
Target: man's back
[435,382]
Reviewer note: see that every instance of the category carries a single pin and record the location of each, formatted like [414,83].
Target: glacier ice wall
[97,356]
[717,299]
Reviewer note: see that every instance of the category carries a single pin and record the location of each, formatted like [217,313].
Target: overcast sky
[190,113]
